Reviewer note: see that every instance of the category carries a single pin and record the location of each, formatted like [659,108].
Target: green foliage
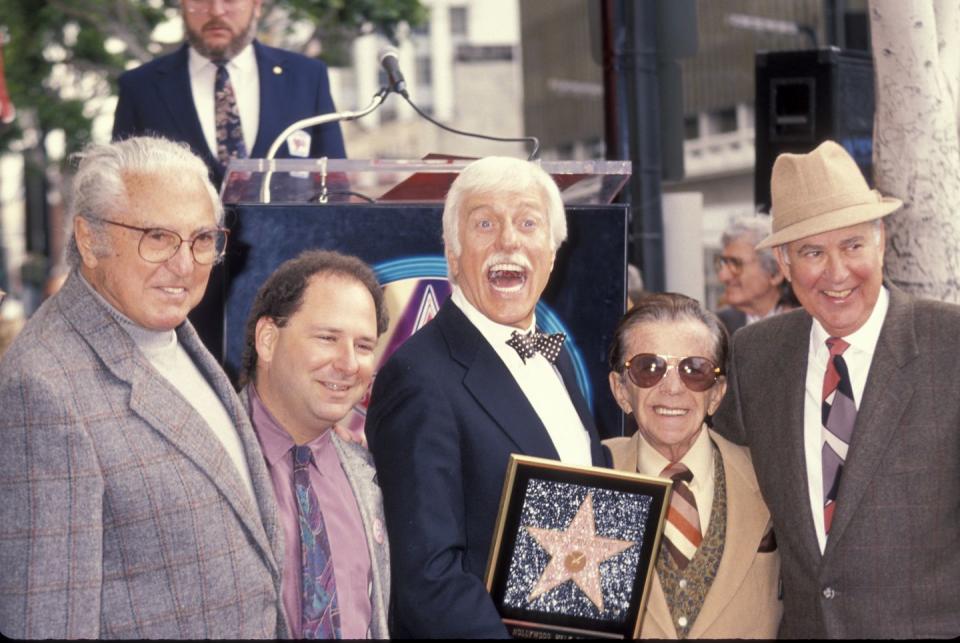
[336,17]
[55,61]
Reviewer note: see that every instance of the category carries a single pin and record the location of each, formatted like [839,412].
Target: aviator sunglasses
[697,373]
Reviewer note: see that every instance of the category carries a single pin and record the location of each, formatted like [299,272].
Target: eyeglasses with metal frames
[733,264]
[158,245]
[647,369]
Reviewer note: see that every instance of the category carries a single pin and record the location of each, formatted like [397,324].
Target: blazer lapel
[173,88]
[273,79]
[160,404]
[266,508]
[885,397]
[781,440]
[491,384]
[747,521]
[362,478]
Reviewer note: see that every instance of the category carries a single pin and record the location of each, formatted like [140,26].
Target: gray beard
[232,48]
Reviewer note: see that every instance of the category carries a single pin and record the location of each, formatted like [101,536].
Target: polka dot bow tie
[529,344]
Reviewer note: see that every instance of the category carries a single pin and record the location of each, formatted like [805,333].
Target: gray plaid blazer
[121,515]
[891,568]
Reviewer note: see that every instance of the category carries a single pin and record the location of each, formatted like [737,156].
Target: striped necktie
[230,143]
[838,415]
[320,613]
[682,535]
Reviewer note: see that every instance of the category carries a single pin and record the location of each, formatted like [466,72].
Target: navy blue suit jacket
[156,98]
[445,416]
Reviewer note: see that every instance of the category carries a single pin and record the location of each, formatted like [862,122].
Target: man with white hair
[752,280]
[134,500]
[477,383]
[851,412]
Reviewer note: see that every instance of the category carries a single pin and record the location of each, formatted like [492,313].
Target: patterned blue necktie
[320,615]
[230,143]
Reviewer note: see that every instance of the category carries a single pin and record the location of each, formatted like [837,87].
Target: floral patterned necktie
[230,143]
[320,614]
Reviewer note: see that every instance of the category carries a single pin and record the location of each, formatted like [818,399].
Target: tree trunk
[916,154]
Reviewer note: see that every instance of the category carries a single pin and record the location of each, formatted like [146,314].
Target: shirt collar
[494,333]
[699,459]
[274,439]
[244,61]
[864,339]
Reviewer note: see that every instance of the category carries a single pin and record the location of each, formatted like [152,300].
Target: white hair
[752,229]
[99,187]
[502,174]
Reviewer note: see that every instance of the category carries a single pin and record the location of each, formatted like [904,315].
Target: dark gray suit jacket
[121,514]
[891,568]
[733,318]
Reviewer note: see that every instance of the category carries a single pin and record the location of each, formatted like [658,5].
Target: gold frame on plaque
[559,527]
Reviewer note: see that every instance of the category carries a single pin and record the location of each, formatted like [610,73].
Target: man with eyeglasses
[477,383]
[134,499]
[754,287]
[851,413]
[226,94]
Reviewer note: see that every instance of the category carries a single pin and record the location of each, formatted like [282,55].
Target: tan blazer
[742,602]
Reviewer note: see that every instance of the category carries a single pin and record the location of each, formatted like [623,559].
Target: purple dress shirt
[348,542]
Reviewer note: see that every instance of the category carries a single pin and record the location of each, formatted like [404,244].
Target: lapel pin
[277,70]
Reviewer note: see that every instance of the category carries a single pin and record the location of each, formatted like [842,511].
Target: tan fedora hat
[818,192]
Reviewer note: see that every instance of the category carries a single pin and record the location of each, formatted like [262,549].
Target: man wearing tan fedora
[851,412]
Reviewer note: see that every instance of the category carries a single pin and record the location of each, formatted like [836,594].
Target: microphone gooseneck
[397,84]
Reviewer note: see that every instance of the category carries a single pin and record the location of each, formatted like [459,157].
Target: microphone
[391,65]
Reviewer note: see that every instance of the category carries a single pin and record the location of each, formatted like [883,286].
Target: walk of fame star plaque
[574,549]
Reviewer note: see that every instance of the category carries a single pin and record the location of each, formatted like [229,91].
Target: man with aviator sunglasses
[717,568]
[851,413]
[136,502]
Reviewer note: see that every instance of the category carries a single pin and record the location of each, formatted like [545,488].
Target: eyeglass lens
[733,264]
[646,370]
[158,245]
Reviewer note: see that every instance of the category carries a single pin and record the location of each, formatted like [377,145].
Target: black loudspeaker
[806,97]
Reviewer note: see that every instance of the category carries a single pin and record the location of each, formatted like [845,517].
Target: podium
[388,213]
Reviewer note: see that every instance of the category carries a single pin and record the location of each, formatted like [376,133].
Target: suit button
[682,621]
[683,583]
[829,593]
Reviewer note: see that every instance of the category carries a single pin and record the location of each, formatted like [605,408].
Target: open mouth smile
[507,277]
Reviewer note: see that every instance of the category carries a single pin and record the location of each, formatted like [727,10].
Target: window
[424,71]
[458,21]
